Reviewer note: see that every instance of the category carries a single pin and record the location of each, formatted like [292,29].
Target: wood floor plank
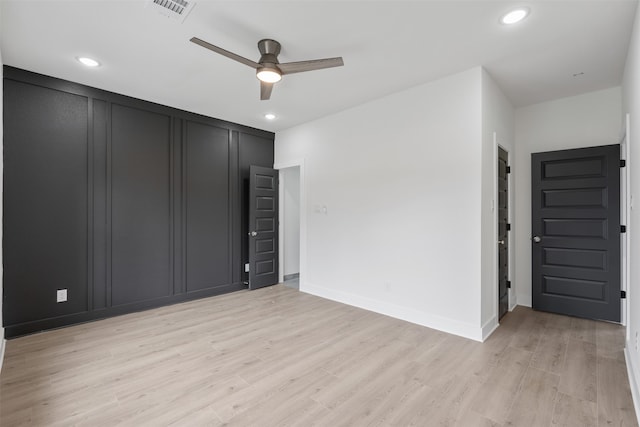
[583,330]
[529,332]
[611,340]
[268,402]
[550,353]
[494,399]
[535,400]
[615,405]
[453,404]
[471,418]
[579,375]
[574,412]
[278,357]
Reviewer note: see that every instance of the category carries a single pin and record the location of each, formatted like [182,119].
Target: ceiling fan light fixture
[514,16]
[269,74]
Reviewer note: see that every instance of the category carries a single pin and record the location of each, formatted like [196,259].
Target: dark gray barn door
[263,227]
[503,232]
[576,232]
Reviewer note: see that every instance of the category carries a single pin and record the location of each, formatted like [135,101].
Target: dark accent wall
[127,204]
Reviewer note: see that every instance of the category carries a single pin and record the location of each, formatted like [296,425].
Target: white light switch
[61,295]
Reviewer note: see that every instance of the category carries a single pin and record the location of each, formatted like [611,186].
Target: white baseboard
[412,315]
[513,305]
[524,300]
[632,372]
[3,344]
[489,327]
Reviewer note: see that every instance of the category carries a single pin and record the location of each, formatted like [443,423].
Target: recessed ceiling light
[270,116]
[89,62]
[515,16]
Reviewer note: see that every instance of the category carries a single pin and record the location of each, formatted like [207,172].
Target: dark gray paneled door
[503,232]
[576,232]
[263,227]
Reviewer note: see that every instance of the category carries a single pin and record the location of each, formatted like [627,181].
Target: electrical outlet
[61,295]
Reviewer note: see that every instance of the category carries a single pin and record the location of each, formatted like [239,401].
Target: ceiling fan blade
[224,52]
[314,64]
[265,90]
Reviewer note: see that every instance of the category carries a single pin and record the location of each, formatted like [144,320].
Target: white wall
[497,127]
[581,121]
[631,105]
[291,204]
[400,178]
[2,341]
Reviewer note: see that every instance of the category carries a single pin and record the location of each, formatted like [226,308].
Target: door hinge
[508,284]
[623,228]
[623,163]
[508,169]
[508,227]
[623,294]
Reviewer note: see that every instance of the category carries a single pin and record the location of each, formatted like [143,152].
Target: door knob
[501,242]
[253,234]
[536,239]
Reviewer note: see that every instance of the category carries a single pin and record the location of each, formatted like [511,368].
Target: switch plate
[61,295]
[246,268]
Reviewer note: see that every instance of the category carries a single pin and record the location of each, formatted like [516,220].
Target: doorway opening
[503,232]
[290,204]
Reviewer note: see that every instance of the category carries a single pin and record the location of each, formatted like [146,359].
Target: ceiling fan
[268,69]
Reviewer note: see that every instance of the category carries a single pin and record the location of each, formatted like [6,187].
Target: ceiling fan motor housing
[269,47]
[268,70]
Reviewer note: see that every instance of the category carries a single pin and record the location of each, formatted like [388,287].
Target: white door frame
[625,217]
[511,234]
[303,220]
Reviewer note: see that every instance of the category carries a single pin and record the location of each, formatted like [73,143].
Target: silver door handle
[253,233]
[536,239]
[501,242]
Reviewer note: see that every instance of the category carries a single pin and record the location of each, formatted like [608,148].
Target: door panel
[580,258]
[263,227]
[576,216]
[584,197]
[503,233]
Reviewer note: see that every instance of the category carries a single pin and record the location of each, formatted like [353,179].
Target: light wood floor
[277,357]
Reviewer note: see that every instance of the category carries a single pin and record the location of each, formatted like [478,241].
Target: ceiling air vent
[176,9]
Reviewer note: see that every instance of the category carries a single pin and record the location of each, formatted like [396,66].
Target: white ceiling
[387,46]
